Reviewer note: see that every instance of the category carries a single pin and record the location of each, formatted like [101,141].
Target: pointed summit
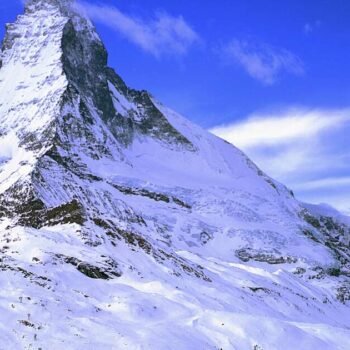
[53,38]
[64,96]
[35,5]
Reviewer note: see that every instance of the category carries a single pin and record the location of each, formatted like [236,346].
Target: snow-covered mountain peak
[37,5]
[127,220]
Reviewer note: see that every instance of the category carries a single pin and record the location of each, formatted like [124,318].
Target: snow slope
[125,226]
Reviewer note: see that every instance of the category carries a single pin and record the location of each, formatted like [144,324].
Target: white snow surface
[183,285]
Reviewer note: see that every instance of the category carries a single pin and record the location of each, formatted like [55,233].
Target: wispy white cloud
[272,128]
[304,148]
[262,61]
[162,35]
[310,27]
[329,182]
[307,28]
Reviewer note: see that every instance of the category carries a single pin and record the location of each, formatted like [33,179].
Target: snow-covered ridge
[119,217]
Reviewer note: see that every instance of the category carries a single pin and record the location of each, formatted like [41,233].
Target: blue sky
[273,77]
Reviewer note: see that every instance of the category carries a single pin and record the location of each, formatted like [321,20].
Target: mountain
[125,226]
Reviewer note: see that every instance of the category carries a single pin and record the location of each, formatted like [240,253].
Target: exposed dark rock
[84,61]
[160,255]
[311,220]
[260,289]
[334,271]
[311,235]
[335,235]
[68,213]
[343,293]
[41,281]
[247,254]
[299,271]
[205,237]
[20,202]
[90,270]
[159,197]
[27,323]
[149,120]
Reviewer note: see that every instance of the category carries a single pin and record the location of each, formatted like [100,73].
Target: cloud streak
[304,148]
[263,62]
[272,129]
[310,27]
[331,182]
[162,35]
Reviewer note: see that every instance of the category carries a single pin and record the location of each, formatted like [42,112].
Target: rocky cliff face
[123,225]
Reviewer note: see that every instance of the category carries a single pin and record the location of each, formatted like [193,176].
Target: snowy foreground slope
[124,226]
